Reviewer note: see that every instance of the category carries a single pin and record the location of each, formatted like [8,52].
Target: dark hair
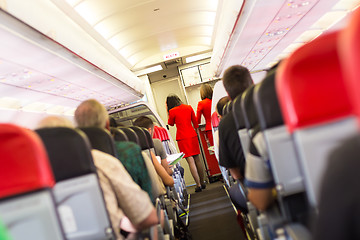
[220,105]
[144,122]
[236,79]
[206,91]
[113,122]
[173,101]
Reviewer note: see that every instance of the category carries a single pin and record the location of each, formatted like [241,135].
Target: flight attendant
[183,115]
[204,108]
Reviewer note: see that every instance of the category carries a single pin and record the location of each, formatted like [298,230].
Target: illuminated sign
[171,55]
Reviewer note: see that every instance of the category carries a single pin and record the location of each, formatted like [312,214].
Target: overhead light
[149,70]
[198,57]
[35,107]
[70,112]
[57,109]
[329,19]
[73,2]
[346,5]
[10,103]
[292,47]
[309,35]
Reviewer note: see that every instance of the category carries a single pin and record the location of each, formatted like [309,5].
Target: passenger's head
[145,122]
[236,79]
[206,91]
[91,113]
[113,122]
[172,101]
[220,105]
[54,121]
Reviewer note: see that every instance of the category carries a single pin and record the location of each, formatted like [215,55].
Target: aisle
[212,215]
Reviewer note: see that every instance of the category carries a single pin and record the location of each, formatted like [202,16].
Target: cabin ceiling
[113,41]
[142,32]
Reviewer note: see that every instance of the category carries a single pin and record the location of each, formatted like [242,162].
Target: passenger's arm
[160,151]
[193,119]
[236,173]
[149,221]
[165,177]
[261,198]
[258,177]
[165,165]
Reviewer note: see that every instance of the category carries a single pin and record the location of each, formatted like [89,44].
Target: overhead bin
[49,58]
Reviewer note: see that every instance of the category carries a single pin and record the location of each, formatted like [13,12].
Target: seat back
[119,135]
[166,140]
[148,138]
[142,137]
[130,134]
[100,139]
[281,149]
[349,53]
[248,109]
[315,106]
[240,124]
[27,206]
[157,133]
[77,191]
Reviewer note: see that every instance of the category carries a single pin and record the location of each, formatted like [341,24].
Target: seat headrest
[157,133]
[248,108]
[267,104]
[131,135]
[215,120]
[142,137]
[165,134]
[100,139]
[227,108]
[24,162]
[349,52]
[119,135]
[148,138]
[238,113]
[310,84]
[69,152]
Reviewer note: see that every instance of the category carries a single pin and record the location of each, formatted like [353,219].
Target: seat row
[303,109]
[49,185]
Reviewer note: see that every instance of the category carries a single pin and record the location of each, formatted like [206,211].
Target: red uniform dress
[204,108]
[186,136]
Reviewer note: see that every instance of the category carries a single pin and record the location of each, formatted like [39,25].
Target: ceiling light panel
[329,19]
[346,5]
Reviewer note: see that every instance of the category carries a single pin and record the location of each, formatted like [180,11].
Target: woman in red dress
[183,115]
[204,108]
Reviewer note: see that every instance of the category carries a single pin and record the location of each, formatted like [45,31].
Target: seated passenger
[129,154]
[122,195]
[147,123]
[220,106]
[258,176]
[236,80]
